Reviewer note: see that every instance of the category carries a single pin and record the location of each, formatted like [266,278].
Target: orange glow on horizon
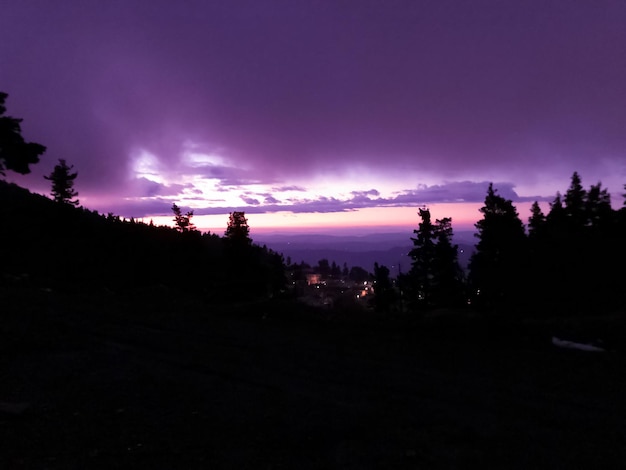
[464,216]
[366,220]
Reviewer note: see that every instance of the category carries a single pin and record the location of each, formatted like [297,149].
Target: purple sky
[317,107]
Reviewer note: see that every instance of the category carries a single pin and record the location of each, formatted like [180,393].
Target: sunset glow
[306,122]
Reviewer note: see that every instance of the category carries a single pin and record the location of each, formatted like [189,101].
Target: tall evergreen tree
[447,273]
[598,210]
[182,221]
[574,200]
[497,268]
[423,256]
[557,211]
[238,231]
[540,250]
[599,249]
[435,277]
[63,183]
[556,227]
[15,153]
[537,221]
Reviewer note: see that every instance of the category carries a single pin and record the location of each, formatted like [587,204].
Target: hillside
[146,353]
[63,247]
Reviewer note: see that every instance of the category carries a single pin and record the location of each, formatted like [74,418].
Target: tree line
[568,261]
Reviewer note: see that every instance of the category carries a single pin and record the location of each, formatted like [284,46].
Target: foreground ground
[104,382]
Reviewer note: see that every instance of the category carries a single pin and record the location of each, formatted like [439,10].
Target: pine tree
[556,208]
[556,220]
[182,221]
[447,273]
[598,210]
[497,267]
[540,251]
[436,277]
[600,246]
[238,231]
[63,183]
[423,256]
[537,221]
[574,201]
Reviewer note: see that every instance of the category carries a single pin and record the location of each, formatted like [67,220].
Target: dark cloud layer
[513,91]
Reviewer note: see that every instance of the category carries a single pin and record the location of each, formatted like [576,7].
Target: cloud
[371,192]
[279,189]
[250,200]
[288,91]
[461,191]
[270,200]
[144,187]
[451,192]
[227,175]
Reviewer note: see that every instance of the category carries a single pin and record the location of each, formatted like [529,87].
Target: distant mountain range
[389,249]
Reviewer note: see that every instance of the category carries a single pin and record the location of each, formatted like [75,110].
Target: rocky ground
[99,381]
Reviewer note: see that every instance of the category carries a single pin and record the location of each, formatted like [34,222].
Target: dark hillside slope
[103,385]
[162,378]
[57,245]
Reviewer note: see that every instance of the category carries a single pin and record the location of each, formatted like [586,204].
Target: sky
[314,115]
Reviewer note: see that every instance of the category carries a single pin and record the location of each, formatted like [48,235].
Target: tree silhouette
[63,183]
[238,231]
[435,277]
[598,210]
[497,266]
[423,256]
[15,154]
[182,221]
[537,220]
[447,273]
[335,270]
[358,274]
[323,267]
[574,200]
[579,246]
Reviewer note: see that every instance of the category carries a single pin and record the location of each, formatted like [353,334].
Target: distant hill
[55,245]
[390,249]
